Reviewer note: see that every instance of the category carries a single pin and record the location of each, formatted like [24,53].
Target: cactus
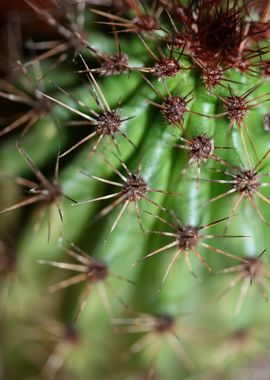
[135,201]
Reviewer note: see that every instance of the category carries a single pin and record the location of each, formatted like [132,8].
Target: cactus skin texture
[135,200]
